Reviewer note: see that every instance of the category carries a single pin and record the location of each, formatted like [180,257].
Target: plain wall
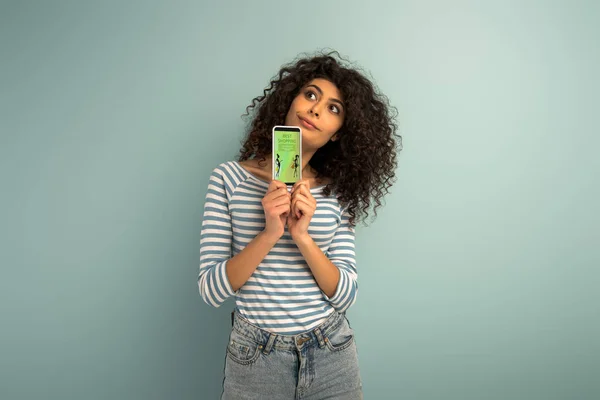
[478,280]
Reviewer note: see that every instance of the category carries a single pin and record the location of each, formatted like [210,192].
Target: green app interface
[287,154]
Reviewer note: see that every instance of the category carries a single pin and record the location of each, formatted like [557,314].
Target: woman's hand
[276,204]
[303,207]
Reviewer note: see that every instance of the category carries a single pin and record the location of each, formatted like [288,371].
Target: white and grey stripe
[282,295]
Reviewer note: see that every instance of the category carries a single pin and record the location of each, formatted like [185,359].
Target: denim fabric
[319,364]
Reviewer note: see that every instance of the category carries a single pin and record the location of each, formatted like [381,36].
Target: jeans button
[301,340]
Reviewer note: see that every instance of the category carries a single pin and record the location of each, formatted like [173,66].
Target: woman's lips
[307,124]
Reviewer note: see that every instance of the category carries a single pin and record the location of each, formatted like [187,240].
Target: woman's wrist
[269,237]
[302,239]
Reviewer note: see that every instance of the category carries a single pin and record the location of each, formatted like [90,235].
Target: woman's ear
[334,137]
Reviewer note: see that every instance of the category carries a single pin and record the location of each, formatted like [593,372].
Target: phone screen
[287,154]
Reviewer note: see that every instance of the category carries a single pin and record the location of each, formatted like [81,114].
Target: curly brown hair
[361,164]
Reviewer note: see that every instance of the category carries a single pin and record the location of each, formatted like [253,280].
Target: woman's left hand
[303,208]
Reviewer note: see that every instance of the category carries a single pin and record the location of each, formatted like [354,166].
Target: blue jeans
[319,364]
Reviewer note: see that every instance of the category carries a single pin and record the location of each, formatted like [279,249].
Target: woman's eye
[335,109]
[310,95]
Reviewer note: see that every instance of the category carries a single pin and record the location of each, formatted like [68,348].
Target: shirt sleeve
[215,243]
[341,253]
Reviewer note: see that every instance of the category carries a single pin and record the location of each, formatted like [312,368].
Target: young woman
[286,253]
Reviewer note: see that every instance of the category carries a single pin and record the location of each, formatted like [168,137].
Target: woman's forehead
[325,85]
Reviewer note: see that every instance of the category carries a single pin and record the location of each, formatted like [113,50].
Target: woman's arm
[241,267]
[334,270]
[325,272]
[216,239]
[221,275]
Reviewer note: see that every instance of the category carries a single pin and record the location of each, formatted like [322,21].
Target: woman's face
[319,111]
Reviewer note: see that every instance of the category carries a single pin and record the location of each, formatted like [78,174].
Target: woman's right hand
[276,204]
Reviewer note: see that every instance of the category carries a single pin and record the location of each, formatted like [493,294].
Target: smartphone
[287,154]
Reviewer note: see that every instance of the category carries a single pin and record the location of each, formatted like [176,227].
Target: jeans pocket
[341,337]
[242,349]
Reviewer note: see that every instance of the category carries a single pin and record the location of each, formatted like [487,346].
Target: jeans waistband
[268,340]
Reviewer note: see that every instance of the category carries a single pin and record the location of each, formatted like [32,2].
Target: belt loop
[269,344]
[320,337]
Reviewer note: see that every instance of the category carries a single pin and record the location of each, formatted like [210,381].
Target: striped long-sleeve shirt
[282,295]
